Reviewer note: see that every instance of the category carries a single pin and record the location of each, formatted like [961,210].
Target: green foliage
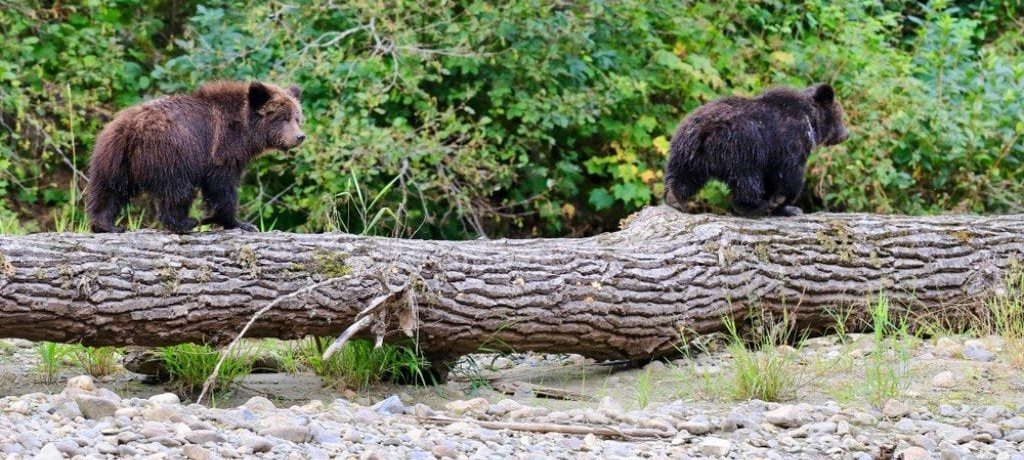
[359,363]
[95,361]
[764,371]
[189,365]
[51,360]
[1007,316]
[526,116]
[886,374]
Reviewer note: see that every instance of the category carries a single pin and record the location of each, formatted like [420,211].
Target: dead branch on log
[234,343]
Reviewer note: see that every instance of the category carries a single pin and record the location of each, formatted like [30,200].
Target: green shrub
[523,117]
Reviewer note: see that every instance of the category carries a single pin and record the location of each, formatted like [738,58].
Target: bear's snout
[298,139]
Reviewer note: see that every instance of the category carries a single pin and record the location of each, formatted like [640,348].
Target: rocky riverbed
[957,404]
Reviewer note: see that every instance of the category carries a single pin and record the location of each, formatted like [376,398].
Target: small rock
[82,383]
[204,436]
[714,447]
[259,403]
[501,363]
[461,407]
[165,399]
[293,433]
[503,407]
[256,443]
[390,406]
[914,453]
[696,425]
[895,409]
[194,452]
[166,442]
[322,436]
[94,407]
[957,435]
[946,410]
[655,366]
[944,380]
[160,414]
[948,348]
[787,416]
[906,424]
[976,350]
[49,452]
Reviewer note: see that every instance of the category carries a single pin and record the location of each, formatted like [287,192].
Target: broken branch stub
[629,294]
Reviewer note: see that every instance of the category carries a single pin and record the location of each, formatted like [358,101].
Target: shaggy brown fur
[757,146]
[171,146]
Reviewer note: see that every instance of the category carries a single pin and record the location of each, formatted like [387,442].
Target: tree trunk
[637,293]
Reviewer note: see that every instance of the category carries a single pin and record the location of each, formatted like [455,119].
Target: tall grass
[189,365]
[887,371]
[357,211]
[358,363]
[763,371]
[1007,317]
[95,361]
[51,360]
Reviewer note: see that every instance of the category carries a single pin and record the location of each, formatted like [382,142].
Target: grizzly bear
[169,147]
[757,146]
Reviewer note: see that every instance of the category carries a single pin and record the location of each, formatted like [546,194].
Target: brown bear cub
[757,146]
[171,146]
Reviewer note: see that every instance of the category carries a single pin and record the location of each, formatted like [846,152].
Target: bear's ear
[295,91]
[824,94]
[258,95]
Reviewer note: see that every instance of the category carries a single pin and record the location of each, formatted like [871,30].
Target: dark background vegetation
[449,119]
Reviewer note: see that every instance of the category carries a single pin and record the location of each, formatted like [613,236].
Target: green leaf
[601,199]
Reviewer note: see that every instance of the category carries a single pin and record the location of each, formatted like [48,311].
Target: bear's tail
[110,187]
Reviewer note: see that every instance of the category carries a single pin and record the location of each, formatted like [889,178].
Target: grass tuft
[358,363]
[189,365]
[765,371]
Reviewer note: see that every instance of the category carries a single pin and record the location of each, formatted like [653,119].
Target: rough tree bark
[635,293]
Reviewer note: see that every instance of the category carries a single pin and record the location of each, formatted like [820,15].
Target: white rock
[81,382]
[787,416]
[944,380]
[948,348]
[259,403]
[194,452]
[895,409]
[914,453]
[49,452]
[714,447]
[95,408]
[165,399]
[472,406]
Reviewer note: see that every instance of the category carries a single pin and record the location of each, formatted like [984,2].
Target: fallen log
[637,293]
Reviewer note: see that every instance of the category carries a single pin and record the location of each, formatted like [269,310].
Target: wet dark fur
[172,146]
[757,146]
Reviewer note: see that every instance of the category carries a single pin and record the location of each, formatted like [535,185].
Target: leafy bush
[525,117]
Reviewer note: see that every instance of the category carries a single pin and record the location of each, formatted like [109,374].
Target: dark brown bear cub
[171,146]
[757,146]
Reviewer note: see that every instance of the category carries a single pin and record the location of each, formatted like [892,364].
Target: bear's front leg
[174,212]
[748,196]
[221,199]
[787,189]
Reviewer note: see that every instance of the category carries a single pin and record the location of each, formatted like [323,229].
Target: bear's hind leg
[679,189]
[748,196]
[174,209]
[103,204]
